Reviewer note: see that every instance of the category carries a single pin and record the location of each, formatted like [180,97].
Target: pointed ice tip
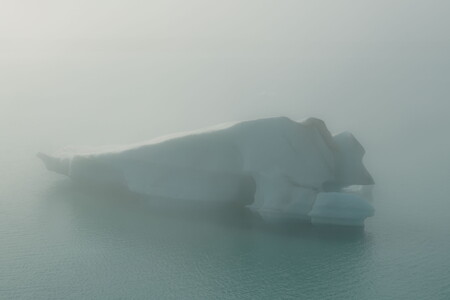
[54,164]
[46,159]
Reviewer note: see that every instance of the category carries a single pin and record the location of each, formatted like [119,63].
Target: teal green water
[62,241]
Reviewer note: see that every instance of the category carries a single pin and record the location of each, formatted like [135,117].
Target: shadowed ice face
[350,168]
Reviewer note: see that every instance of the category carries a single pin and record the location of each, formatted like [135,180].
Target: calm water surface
[60,240]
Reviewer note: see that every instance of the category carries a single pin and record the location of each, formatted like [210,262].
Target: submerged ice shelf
[277,167]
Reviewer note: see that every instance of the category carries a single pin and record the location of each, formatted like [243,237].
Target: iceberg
[277,167]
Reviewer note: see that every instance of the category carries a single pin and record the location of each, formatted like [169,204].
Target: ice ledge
[340,209]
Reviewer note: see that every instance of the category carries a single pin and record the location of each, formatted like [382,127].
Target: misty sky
[94,72]
[301,21]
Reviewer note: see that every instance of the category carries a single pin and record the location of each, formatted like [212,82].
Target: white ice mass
[278,167]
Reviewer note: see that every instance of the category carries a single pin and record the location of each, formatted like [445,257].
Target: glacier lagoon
[59,240]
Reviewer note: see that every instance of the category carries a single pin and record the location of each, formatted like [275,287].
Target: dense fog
[116,72]
[104,72]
